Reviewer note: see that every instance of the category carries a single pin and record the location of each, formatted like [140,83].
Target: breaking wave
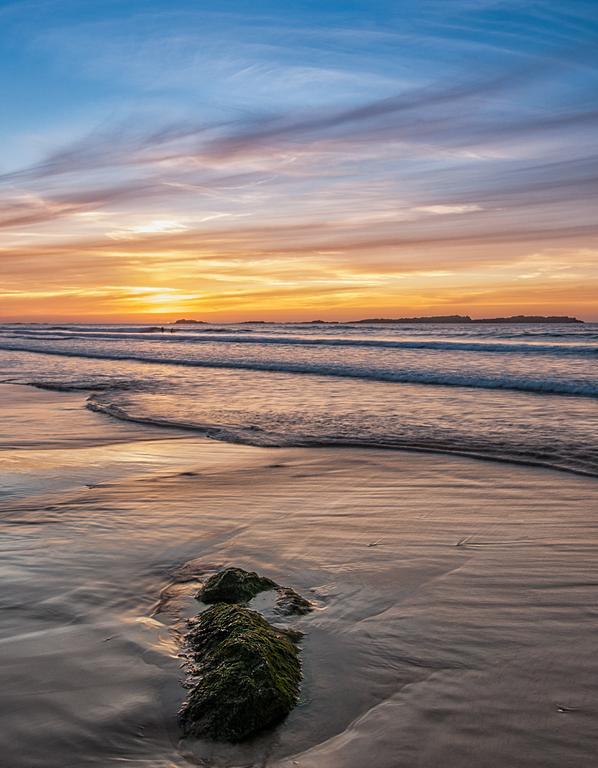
[522,382]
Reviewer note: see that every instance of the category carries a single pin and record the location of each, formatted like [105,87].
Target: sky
[297,160]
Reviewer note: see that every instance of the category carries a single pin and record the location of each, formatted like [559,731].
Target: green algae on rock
[234,585]
[249,674]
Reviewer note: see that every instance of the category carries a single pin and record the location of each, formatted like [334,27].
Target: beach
[455,607]
[299,384]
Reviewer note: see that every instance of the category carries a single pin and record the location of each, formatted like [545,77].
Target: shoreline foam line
[226,435]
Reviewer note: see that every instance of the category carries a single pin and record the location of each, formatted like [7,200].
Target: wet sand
[457,599]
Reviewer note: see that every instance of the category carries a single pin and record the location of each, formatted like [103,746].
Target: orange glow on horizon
[162,272]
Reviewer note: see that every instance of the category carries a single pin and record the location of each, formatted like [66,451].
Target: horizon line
[455,318]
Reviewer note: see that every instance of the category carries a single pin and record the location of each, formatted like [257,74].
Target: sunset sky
[298,160]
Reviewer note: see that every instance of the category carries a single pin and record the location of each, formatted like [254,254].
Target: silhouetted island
[446,319]
[466,319]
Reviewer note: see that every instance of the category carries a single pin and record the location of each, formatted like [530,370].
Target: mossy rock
[289,603]
[234,585]
[249,675]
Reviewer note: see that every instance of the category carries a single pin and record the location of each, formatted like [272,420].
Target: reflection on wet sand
[455,603]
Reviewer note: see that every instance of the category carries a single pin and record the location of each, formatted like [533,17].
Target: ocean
[521,392]
[454,595]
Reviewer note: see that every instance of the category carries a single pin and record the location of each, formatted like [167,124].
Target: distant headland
[444,319]
[466,319]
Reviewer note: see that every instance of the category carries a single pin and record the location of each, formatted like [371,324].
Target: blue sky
[363,147]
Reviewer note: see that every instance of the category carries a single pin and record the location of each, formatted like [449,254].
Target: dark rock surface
[234,585]
[289,603]
[249,674]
